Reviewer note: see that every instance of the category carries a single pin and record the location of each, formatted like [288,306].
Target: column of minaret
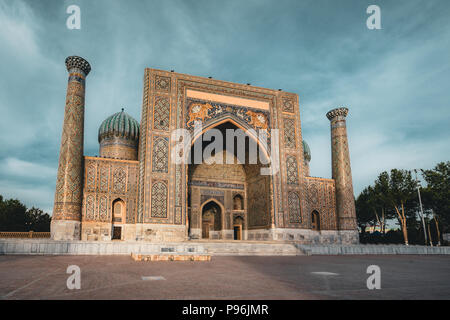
[341,170]
[66,220]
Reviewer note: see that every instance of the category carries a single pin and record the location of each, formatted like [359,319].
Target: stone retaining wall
[244,248]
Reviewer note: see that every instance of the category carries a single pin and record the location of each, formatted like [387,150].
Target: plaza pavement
[226,277]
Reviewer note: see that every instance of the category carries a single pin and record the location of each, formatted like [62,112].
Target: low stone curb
[371,249]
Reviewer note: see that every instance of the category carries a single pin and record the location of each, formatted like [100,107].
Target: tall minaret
[341,170]
[66,219]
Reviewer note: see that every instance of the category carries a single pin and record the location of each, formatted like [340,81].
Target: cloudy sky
[395,81]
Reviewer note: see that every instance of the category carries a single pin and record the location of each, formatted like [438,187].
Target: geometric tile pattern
[68,197]
[159,200]
[119,180]
[294,208]
[289,133]
[103,209]
[90,207]
[124,185]
[320,197]
[341,170]
[258,201]
[91,178]
[143,146]
[162,83]
[161,114]
[292,169]
[160,161]
[104,177]
[288,105]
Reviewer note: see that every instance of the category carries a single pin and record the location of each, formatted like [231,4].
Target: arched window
[118,211]
[238,202]
[315,220]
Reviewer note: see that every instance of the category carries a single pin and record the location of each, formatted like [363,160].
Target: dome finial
[123,109]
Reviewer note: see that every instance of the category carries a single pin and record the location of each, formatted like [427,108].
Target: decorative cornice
[79,63]
[342,111]
[110,159]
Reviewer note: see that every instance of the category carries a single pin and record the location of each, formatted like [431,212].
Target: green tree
[391,196]
[436,195]
[14,216]
[364,210]
[381,201]
[402,198]
[38,220]
[374,206]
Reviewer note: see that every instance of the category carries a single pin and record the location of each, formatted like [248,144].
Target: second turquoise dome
[306,151]
[120,124]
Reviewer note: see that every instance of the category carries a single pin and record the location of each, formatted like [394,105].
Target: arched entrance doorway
[237,185]
[118,210]
[211,220]
[238,223]
[315,220]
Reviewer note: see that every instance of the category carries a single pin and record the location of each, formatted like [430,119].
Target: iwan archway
[212,219]
[237,189]
[118,213]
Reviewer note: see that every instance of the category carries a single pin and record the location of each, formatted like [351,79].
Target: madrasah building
[135,191]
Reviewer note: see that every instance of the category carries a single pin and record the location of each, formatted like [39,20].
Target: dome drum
[119,148]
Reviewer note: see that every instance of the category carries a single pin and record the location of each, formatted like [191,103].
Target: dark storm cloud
[394,80]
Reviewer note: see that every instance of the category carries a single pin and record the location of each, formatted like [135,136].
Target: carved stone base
[305,236]
[65,230]
[160,232]
[196,234]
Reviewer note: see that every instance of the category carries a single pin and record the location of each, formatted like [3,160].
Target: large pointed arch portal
[222,181]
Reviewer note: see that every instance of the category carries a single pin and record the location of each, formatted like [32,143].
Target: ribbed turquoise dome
[120,124]
[306,151]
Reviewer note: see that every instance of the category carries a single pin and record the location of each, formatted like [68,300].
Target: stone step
[170,257]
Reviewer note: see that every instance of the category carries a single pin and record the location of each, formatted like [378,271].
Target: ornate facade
[136,191]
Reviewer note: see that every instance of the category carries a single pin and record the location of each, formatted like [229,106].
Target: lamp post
[421,208]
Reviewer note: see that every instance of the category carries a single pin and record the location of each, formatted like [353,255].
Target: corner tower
[66,217]
[341,170]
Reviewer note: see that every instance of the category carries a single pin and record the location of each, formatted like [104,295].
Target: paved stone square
[231,277]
